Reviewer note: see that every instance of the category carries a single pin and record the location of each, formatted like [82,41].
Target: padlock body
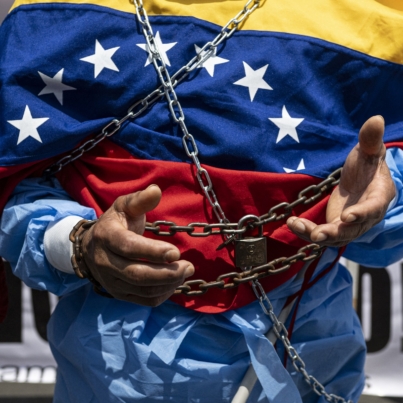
[250,252]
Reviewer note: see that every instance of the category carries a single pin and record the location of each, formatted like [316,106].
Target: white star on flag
[254,80]
[101,59]
[287,125]
[300,167]
[54,85]
[210,62]
[162,47]
[27,126]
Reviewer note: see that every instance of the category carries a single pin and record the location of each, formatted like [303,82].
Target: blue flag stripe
[275,110]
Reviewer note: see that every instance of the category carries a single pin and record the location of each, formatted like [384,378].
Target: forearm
[33,206]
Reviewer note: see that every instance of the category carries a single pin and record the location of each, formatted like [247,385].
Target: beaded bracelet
[77,260]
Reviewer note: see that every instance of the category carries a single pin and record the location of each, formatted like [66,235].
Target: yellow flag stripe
[373,27]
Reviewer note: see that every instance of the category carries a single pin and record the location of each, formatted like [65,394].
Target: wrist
[81,269]
[76,237]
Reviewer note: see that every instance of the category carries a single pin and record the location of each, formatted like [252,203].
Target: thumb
[139,203]
[363,161]
[371,137]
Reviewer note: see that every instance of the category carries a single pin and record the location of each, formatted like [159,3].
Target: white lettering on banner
[25,356]
[366,320]
[34,374]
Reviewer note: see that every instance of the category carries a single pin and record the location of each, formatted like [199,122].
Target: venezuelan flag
[275,110]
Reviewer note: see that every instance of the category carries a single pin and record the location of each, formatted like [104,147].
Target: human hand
[362,197]
[129,266]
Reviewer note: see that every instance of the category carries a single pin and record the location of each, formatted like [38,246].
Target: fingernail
[321,237]
[299,227]
[351,218]
[171,256]
[190,270]
[151,185]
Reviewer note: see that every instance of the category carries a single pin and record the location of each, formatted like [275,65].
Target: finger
[121,289]
[136,204]
[337,233]
[301,227]
[372,209]
[130,245]
[371,136]
[332,234]
[366,160]
[150,274]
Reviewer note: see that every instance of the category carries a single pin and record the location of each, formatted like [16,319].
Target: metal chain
[139,107]
[249,274]
[229,230]
[109,130]
[278,212]
[234,279]
[208,50]
[282,334]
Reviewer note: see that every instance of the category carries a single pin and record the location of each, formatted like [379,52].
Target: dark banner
[24,352]
[25,355]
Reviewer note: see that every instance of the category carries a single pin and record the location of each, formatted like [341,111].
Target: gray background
[4,7]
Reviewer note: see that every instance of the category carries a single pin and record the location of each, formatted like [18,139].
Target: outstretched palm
[363,196]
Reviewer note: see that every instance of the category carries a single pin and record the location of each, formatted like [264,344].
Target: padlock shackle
[246,218]
[244,221]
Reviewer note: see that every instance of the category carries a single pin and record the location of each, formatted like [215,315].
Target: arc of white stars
[54,85]
[162,47]
[28,126]
[287,125]
[101,59]
[253,80]
[301,166]
[211,62]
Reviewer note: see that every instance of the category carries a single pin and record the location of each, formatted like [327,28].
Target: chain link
[276,213]
[282,334]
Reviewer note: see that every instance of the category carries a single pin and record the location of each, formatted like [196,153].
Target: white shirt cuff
[56,243]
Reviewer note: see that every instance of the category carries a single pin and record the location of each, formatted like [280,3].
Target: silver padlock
[250,251]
